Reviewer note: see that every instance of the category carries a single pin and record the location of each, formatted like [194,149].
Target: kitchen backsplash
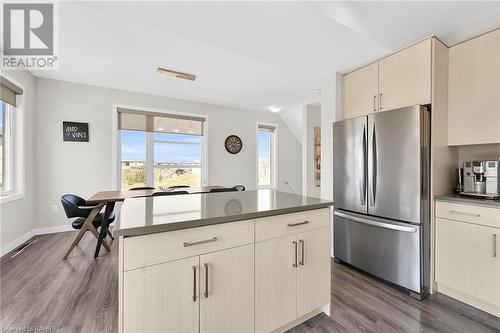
[478,152]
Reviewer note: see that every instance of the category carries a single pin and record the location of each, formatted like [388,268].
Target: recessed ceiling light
[274,109]
[176,74]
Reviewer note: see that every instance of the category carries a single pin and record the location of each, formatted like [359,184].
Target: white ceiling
[246,54]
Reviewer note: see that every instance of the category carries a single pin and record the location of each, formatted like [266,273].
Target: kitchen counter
[141,216]
[468,201]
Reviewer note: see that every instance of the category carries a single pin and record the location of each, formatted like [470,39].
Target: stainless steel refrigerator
[381,195]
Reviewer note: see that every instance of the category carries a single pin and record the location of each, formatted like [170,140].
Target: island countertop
[141,216]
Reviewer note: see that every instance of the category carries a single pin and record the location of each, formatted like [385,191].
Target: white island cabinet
[261,274]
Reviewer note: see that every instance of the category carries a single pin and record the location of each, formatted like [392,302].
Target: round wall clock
[233,144]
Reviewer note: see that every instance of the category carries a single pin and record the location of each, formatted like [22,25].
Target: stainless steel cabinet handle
[302,245]
[206,280]
[194,283]
[464,213]
[296,224]
[494,245]
[295,250]
[374,102]
[213,239]
[380,102]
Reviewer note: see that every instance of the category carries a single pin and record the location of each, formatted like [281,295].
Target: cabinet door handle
[380,101]
[194,283]
[494,245]
[302,245]
[296,224]
[295,250]
[213,239]
[374,102]
[464,213]
[206,280]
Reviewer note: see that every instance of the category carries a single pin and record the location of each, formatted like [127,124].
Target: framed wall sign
[76,132]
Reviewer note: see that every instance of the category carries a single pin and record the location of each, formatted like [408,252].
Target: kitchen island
[254,261]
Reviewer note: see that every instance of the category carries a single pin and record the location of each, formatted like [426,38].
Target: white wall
[331,87]
[311,118]
[293,118]
[85,168]
[17,218]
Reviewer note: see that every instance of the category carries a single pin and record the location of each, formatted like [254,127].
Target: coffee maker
[481,179]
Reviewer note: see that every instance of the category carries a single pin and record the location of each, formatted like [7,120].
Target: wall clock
[233,144]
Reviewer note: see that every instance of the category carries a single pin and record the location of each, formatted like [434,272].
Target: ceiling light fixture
[176,74]
[274,109]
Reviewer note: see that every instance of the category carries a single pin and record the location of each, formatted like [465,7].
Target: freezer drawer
[384,248]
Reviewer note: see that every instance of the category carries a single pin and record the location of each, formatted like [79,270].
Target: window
[265,156]
[177,160]
[160,150]
[11,147]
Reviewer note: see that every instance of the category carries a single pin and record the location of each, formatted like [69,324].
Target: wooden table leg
[104,226]
[84,228]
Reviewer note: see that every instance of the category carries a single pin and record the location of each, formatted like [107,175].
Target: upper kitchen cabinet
[405,77]
[474,91]
[399,80]
[360,92]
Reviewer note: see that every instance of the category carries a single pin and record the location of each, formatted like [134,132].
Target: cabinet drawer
[141,251]
[469,213]
[289,224]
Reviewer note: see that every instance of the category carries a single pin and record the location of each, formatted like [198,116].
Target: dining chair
[164,193]
[223,189]
[87,218]
[142,188]
[239,188]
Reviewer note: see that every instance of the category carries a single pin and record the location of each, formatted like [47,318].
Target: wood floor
[40,289]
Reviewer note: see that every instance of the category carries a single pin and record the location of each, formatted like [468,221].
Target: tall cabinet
[474,91]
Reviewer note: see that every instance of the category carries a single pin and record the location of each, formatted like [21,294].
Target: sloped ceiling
[247,55]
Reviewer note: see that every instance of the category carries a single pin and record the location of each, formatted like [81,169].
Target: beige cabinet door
[162,298]
[227,290]
[275,283]
[313,272]
[466,260]
[474,91]
[405,77]
[360,92]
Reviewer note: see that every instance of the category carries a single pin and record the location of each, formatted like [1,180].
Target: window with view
[266,159]
[11,149]
[161,150]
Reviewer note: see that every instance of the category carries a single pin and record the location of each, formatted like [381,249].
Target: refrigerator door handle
[376,223]
[362,189]
[373,166]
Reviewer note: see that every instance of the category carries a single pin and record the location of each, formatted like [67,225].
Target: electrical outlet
[54,208]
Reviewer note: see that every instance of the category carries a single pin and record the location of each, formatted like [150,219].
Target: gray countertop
[468,201]
[141,216]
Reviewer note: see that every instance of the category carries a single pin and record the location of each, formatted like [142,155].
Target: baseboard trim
[33,232]
[468,299]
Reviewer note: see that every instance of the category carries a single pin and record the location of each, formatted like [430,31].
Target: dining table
[108,199]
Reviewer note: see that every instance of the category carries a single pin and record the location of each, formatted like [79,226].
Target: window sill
[11,197]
